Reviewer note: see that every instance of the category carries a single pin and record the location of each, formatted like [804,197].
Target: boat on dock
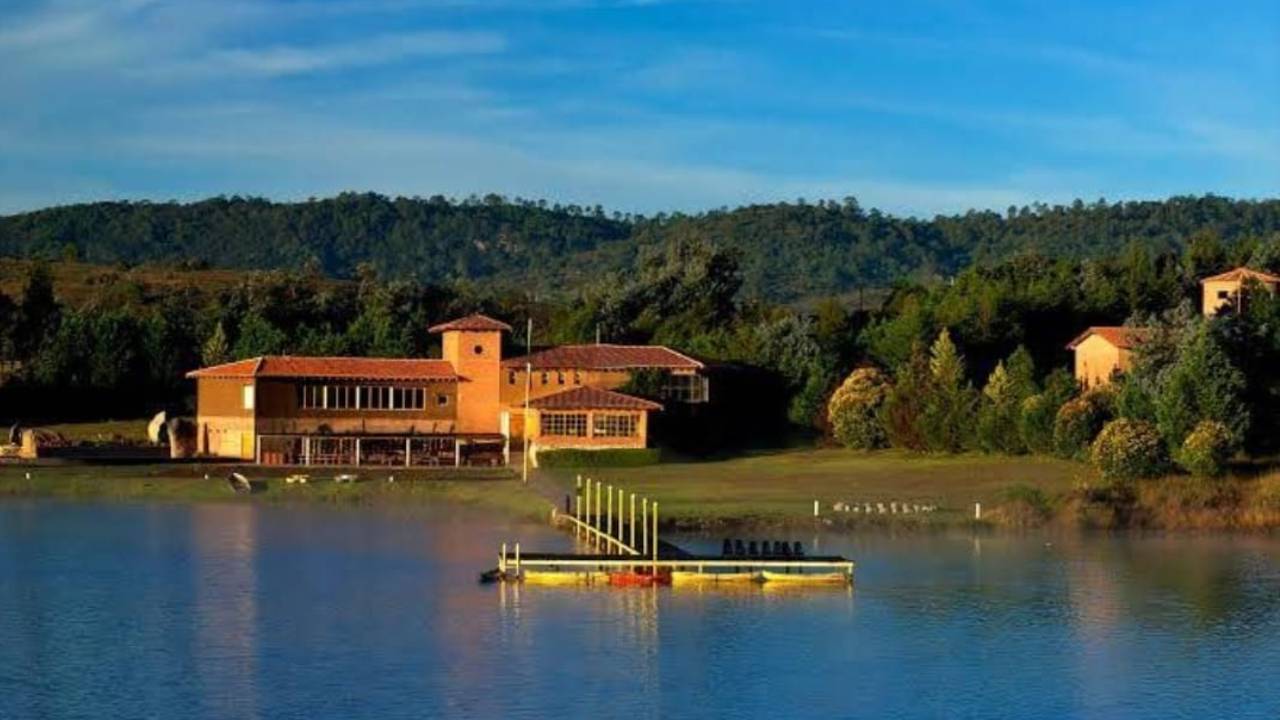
[806,578]
[693,577]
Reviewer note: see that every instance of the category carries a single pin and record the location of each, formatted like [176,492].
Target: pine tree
[215,350]
[948,414]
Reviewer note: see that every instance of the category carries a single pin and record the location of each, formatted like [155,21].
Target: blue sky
[913,107]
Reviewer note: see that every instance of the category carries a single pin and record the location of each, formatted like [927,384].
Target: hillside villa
[465,407]
[1103,352]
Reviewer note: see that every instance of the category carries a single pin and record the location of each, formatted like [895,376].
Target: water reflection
[238,611]
[225,610]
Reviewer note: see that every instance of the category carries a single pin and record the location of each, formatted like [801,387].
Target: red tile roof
[292,366]
[606,357]
[474,322]
[1243,273]
[1124,338]
[589,398]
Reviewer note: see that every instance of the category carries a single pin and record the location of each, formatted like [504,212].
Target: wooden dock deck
[631,553]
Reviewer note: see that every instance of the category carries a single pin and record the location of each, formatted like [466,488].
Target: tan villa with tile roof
[463,408]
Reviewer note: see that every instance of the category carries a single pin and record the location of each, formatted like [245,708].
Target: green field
[495,489]
[782,486]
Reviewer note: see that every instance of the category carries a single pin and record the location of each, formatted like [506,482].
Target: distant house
[1220,291]
[1103,352]
[463,408]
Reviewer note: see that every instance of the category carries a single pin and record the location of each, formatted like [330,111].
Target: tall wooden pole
[655,538]
[528,385]
[644,526]
[587,515]
[632,523]
[596,521]
[608,518]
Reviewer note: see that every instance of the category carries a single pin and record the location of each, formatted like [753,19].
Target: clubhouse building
[467,407]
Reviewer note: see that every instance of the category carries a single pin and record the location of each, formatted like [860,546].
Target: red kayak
[638,579]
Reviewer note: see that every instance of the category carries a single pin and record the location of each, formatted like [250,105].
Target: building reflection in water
[225,612]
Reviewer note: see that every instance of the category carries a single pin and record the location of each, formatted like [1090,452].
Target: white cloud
[377,50]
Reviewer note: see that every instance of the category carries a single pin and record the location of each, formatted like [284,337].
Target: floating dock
[629,553]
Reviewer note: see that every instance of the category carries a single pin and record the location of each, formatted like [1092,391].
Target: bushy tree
[854,409]
[259,337]
[949,408]
[1079,421]
[216,349]
[1129,450]
[906,402]
[1207,449]
[1202,384]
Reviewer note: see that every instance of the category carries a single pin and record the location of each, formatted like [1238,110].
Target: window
[479,349]
[615,425]
[361,397]
[247,397]
[544,378]
[342,397]
[1223,295]
[688,388]
[442,400]
[577,379]
[511,377]
[310,397]
[560,377]
[564,424]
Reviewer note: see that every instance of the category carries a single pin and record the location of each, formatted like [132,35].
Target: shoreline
[1220,508]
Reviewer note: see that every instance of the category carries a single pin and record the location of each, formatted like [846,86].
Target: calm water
[230,611]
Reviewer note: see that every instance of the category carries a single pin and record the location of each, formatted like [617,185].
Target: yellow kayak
[828,578]
[690,578]
[543,577]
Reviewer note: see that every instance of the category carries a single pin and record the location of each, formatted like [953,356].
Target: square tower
[473,345]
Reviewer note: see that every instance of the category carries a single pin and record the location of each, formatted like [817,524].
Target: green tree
[1129,450]
[949,409]
[259,337]
[854,409]
[216,350]
[906,402]
[1202,384]
[1207,449]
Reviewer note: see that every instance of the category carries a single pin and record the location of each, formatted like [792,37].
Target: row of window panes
[564,424]
[614,425]
[575,425]
[560,377]
[365,397]
[685,388]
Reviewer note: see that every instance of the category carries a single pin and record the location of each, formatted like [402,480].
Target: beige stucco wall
[1210,291]
[1096,360]
[224,428]
[539,442]
[477,358]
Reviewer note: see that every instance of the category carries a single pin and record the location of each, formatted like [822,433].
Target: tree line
[786,251]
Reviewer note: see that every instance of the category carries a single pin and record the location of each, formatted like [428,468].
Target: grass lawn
[496,489]
[783,485]
[129,430]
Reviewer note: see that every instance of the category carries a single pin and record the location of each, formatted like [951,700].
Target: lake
[243,611]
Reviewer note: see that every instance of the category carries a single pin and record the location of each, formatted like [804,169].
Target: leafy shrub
[1027,495]
[1035,423]
[1129,450]
[854,409]
[1078,422]
[615,457]
[1266,494]
[1206,450]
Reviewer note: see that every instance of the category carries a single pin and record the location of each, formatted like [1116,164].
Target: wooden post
[502,559]
[577,515]
[357,452]
[655,539]
[608,518]
[306,449]
[644,526]
[408,452]
[595,523]
[517,558]
[457,452]
[632,523]
[587,516]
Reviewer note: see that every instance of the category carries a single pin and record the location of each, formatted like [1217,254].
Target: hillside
[788,251]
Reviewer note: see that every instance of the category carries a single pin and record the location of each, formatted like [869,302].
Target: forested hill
[788,250]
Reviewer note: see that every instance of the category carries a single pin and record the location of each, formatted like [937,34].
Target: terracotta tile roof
[1242,273]
[293,366]
[606,357]
[474,322]
[1124,338]
[589,398]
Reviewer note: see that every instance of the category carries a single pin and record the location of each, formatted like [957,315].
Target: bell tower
[473,345]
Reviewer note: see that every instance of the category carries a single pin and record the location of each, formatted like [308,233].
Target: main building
[466,407]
